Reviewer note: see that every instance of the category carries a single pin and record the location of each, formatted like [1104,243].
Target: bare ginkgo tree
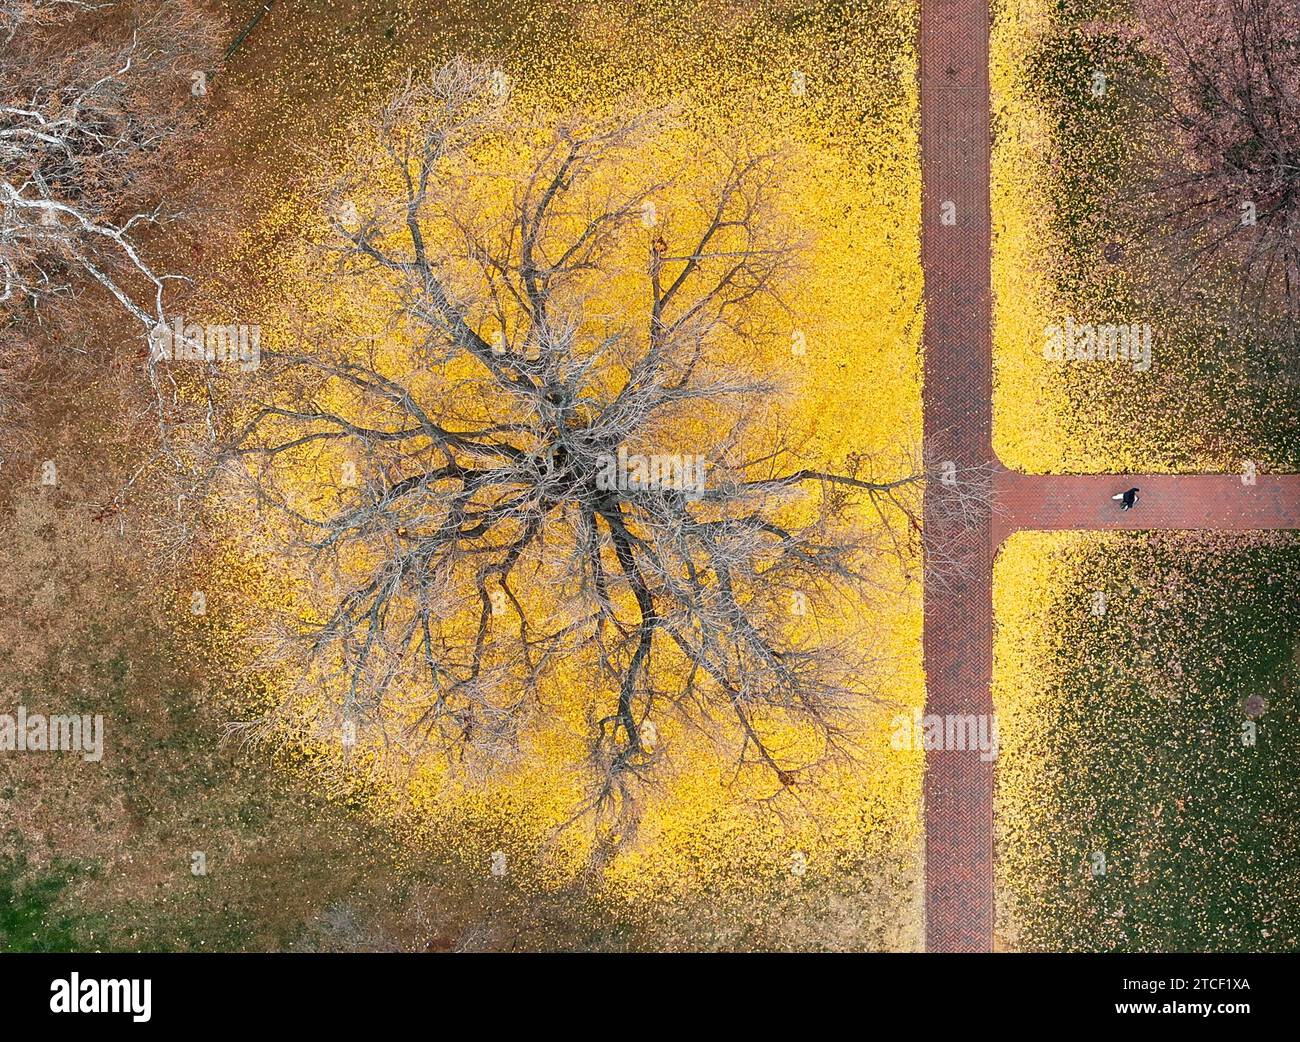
[95,101]
[560,467]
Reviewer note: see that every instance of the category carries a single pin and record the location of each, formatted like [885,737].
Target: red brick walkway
[958,423]
[958,641]
[1168,501]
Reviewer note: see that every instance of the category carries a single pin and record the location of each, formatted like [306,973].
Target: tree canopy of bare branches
[94,101]
[561,465]
[1223,108]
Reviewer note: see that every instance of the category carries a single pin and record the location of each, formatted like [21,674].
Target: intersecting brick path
[958,640]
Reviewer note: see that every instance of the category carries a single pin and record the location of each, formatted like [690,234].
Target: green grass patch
[1159,813]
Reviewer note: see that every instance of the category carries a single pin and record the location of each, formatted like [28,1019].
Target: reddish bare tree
[1223,108]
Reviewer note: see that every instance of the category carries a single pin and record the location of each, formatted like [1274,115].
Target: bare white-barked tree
[95,99]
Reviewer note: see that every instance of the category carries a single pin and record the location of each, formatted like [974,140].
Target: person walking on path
[1127,498]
